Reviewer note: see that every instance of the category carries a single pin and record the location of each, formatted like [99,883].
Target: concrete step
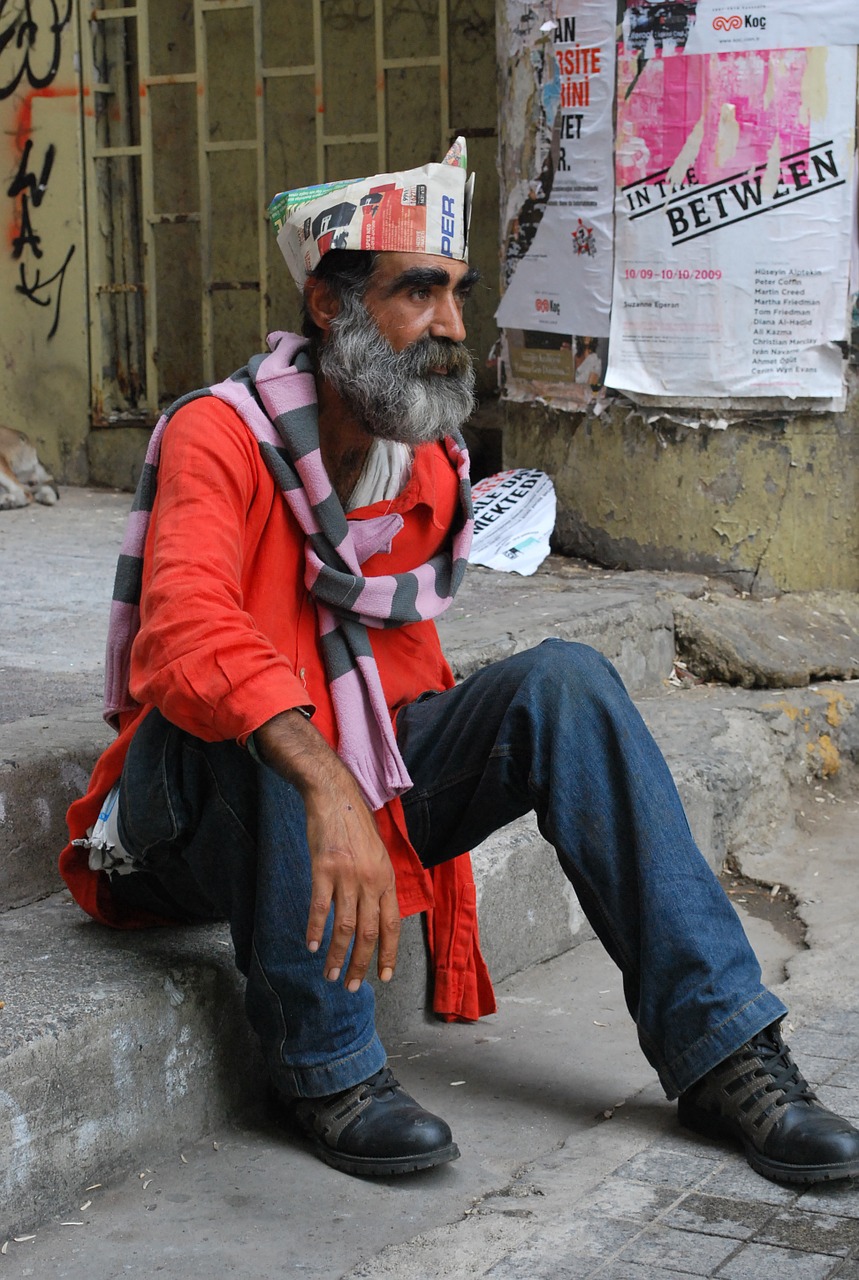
[51,659]
[108,1041]
[45,763]
[45,760]
[628,617]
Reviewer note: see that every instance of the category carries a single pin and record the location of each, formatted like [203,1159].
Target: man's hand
[349,864]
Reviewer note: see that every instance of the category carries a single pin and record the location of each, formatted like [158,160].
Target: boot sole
[711,1125]
[378,1166]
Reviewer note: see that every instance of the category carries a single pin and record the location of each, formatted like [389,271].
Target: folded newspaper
[514,515]
[423,210]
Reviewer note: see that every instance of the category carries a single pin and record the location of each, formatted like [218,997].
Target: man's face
[418,295]
[397,357]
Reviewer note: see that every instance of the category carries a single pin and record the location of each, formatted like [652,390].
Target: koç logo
[734,22]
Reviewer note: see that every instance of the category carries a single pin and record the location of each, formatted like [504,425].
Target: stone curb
[45,763]
[108,1042]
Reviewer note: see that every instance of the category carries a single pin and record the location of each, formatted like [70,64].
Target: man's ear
[321,303]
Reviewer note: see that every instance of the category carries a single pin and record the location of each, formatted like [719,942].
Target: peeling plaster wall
[522,139]
[770,504]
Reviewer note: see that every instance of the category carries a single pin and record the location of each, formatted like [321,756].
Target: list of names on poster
[786,315]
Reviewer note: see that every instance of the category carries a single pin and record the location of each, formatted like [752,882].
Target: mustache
[429,355]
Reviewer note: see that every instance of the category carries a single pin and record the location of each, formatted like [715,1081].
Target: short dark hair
[344,271]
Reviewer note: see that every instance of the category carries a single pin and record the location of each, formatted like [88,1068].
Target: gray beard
[394,394]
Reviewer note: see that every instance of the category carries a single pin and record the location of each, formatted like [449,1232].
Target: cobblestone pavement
[684,1207]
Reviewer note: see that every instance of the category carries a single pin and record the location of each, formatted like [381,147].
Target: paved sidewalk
[573,1165]
[681,1207]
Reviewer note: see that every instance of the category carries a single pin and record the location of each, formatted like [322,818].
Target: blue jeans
[552,730]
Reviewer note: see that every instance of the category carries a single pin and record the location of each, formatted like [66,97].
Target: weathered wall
[770,501]
[474,112]
[772,504]
[44,374]
[156,319]
[424,108]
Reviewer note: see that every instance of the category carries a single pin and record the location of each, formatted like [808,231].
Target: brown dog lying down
[23,479]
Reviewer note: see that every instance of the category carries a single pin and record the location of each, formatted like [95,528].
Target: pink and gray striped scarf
[275,396]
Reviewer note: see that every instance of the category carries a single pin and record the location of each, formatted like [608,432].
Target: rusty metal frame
[98,284]
[383,65]
[200,62]
[108,396]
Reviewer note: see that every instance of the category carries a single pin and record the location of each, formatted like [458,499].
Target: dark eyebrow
[430,278]
[418,278]
[468,281]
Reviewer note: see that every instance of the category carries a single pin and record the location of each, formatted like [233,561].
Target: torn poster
[557,250]
[734,210]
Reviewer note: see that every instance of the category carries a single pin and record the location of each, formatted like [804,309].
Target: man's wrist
[293,747]
[252,746]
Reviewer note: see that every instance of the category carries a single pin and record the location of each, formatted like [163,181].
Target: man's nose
[447,321]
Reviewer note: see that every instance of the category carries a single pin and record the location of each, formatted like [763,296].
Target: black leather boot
[375,1128]
[759,1097]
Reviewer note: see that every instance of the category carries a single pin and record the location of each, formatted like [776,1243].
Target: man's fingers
[366,937]
[389,935]
[377,924]
[321,892]
[357,879]
[342,933]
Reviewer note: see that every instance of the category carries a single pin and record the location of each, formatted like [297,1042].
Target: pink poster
[733,215]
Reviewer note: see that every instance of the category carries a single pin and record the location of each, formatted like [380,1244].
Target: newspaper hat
[424,210]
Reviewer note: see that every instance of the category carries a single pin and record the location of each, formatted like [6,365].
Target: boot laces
[383,1082]
[329,1115]
[777,1071]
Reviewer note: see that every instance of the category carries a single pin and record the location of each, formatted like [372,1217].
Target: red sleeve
[199,655]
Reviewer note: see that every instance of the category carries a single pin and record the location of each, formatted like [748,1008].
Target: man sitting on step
[293,755]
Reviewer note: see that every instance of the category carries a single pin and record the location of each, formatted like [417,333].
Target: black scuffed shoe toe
[375,1129]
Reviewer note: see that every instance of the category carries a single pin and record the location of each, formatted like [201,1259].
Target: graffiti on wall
[31,35]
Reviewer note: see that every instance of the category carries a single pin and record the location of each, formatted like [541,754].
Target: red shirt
[228,638]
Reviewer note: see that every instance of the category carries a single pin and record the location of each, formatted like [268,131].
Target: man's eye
[420,294]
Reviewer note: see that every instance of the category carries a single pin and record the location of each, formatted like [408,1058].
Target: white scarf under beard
[395,395]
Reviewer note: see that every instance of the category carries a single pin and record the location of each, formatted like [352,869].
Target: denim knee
[574,669]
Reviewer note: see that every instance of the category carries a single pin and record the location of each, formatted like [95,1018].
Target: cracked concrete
[633,493]
[770,644]
[757,582]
